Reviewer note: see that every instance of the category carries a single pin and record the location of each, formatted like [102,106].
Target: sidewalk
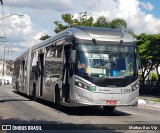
[149,102]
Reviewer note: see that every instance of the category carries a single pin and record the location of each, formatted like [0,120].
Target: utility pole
[3,62]
[4,53]
[2,18]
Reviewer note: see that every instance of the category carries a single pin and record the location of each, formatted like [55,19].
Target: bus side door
[41,73]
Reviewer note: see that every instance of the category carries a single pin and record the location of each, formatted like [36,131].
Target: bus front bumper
[103,99]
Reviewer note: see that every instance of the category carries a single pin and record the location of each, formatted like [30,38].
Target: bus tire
[34,92]
[109,108]
[57,98]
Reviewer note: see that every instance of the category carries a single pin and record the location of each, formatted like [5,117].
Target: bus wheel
[57,98]
[34,92]
[109,108]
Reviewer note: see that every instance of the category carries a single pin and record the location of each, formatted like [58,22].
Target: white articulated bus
[81,66]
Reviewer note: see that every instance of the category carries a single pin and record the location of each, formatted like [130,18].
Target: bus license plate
[111,102]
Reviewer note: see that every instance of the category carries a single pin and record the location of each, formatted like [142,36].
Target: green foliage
[59,27]
[157,100]
[84,20]
[149,46]
[154,76]
[149,50]
[118,23]
[140,76]
[44,37]
[102,22]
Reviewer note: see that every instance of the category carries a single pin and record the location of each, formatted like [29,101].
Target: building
[6,71]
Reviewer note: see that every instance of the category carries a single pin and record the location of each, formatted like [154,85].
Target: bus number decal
[125,90]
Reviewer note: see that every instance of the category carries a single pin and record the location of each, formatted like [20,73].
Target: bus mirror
[73,56]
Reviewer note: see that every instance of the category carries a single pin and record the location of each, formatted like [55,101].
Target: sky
[22,32]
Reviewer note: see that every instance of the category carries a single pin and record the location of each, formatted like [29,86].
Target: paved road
[17,109]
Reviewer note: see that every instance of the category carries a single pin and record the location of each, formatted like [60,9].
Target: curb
[149,104]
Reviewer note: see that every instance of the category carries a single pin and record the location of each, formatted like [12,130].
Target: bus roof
[23,54]
[101,33]
[89,33]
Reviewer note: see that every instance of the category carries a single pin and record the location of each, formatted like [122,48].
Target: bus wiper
[94,41]
[120,44]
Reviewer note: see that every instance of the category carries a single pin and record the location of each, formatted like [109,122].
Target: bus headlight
[135,86]
[81,84]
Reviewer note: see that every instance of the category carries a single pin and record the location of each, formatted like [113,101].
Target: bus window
[59,51]
[53,51]
[82,62]
[48,51]
[47,62]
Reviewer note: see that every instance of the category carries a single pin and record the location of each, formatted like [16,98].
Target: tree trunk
[158,81]
[158,86]
[142,90]
[144,76]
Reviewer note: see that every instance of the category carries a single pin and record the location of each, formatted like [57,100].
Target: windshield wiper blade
[120,44]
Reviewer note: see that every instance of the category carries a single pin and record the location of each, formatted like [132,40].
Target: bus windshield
[107,63]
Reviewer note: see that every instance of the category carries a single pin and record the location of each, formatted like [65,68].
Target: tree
[82,20]
[59,27]
[149,50]
[44,37]
[102,22]
[146,63]
[155,53]
[116,23]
